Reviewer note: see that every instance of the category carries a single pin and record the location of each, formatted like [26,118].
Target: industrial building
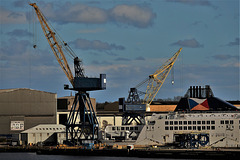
[22,108]
[44,134]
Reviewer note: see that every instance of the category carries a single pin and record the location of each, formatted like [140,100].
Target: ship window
[166,128]
[212,122]
[180,122]
[171,122]
[199,128]
[213,127]
[176,128]
[194,127]
[185,122]
[176,122]
[166,122]
[203,122]
[198,122]
[222,122]
[113,128]
[231,122]
[226,122]
[203,127]
[208,127]
[189,122]
[194,122]
[185,127]
[208,122]
[171,128]
[152,122]
[180,127]
[189,127]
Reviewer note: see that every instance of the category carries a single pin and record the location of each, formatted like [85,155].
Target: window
[189,127]
[213,127]
[171,128]
[198,122]
[189,122]
[208,122]
[203,122]
[203,127]
[194,122]
[231,122]
[176,122]
[199,128]
[171,122]
[180,127]
[113,128]
[185,122]
[127,128]
[166,122]
[185,127]
[226,122]
[136,128]
[131,128]
[222,122]
[175,128]
[47,134]
[208,127]
[180,122]
[166,128]
[122,128]
[194,127]
[212,122]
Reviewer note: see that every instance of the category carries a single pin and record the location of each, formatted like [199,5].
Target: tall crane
[84,131]
[133,108]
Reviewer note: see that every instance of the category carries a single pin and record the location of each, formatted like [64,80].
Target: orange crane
[84,131]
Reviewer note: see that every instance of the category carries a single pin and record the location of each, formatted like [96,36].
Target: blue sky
[127,40]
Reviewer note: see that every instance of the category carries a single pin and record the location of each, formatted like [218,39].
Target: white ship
[192,130]
[199,120]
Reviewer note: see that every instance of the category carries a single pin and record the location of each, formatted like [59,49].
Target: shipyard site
[195,125]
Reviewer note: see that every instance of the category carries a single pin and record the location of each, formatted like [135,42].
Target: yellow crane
[133,108]
[86,128]
[156,80]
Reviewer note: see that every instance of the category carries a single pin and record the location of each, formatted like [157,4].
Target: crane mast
[57,46]
[157,79]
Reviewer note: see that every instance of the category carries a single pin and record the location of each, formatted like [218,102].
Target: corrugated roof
[15,89]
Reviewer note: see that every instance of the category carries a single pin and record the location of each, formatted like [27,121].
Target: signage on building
[17,125]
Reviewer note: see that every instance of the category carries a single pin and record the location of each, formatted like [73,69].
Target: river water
[34,156]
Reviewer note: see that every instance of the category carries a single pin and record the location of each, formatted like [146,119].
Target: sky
[127,40]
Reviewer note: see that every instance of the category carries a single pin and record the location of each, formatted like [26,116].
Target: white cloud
[133,15]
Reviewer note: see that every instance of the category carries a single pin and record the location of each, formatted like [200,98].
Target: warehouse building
[22,108]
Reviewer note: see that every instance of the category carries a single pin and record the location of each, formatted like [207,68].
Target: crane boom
[156,79]
[54,43]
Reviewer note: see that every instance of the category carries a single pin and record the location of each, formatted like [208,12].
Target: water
[34,156]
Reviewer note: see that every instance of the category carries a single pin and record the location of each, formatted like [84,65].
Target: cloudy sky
[126,39]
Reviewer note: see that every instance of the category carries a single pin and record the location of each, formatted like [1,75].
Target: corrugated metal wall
[31,106]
